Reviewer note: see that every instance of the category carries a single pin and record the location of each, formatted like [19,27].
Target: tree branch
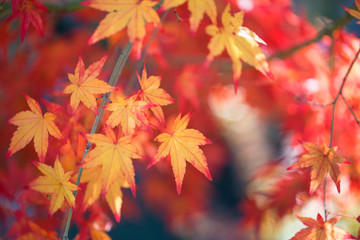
[333,120]
[328,30]
[123,57]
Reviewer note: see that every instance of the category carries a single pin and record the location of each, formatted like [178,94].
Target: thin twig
[351,110]
[342,214]
[333,118]
[124,55]
[337,97]
[314,104]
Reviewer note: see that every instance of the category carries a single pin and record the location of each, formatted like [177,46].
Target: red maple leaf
[28,11]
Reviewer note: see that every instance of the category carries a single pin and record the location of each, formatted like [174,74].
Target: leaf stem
[123,57]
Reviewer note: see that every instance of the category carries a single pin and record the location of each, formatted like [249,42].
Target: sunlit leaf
[33,125]
[55,183]
[183,145]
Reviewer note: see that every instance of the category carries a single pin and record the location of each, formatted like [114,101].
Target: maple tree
[155,95]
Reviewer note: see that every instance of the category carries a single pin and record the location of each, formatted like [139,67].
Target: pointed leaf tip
[178,188]
[117,217]
[8,154]
[133,191]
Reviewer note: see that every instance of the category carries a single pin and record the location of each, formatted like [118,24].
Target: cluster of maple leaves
[104,161]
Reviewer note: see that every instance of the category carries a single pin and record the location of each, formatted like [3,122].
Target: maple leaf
[91,176]
[84,84]
[320,230]
[322,160]
[152,94]
[28,11]
[354,12]
[197,9]
[33,124]
[56,183]
[182,144]
[129,113]
[114,154]
[131,13]
[38,233]
[113,197]
[239,42]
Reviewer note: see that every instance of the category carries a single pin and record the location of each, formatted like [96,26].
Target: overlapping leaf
[354,12]
[56,184]
[28,11]
[197,9]
[129,113]
[33,124]
[322,160]
[84,84]
[132,14]
[114,154]
[183,145]
[152,94]
[239,42]
[320,230]
[113,197]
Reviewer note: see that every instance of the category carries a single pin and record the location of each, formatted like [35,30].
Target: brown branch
[333,120]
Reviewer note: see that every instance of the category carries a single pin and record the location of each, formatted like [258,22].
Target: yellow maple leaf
[183,145]
[84,84]
[114,154]
[131,13]
[322,160]
[33,124]
[151,93]
[129,113]
[239,42]
[56,183]
[197,9]
[93,189]
[114,196]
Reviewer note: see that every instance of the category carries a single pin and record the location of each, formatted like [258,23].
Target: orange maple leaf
[320,230]
[353,12]
[56,183]
[33,124]
[129,113]
[197,9]
[38,233]
[84,84]
[114,154]
[131,13]
[152,94]
[322,160]
[183,145]
[239,42]
[93,189]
